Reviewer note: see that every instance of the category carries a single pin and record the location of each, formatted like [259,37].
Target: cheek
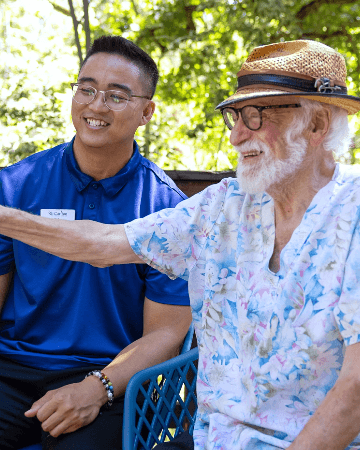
[75,111]
[273,134]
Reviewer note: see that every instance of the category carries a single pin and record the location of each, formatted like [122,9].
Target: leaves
[199,47]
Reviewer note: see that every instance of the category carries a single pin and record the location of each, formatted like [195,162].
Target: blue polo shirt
[61,314]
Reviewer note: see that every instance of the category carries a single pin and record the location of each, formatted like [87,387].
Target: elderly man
[272,260]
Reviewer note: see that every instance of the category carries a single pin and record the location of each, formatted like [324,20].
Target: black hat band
[321,85]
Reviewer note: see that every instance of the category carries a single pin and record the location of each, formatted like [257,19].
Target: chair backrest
[160,402]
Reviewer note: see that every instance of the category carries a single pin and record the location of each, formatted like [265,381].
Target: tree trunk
[87,24]
[76,24]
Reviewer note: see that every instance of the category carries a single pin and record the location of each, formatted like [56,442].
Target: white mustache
[252,145]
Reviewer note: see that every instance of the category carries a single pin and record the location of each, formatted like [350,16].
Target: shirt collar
[111,185]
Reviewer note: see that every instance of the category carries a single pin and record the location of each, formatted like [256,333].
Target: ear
[320,126]
[147,112]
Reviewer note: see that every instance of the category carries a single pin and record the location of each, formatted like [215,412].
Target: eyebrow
[110,85]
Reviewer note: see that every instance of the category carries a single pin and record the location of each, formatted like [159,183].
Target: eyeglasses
[115,100]
[250,114]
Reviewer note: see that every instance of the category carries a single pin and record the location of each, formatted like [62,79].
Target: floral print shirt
[271,345]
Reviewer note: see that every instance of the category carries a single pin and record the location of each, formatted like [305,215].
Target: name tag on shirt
[65,214]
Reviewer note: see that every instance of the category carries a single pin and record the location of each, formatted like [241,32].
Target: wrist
[103,382]
[95,388]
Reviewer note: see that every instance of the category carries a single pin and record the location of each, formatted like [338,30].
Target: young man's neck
[104,162]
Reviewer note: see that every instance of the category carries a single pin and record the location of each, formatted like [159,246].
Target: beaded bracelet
[107,385]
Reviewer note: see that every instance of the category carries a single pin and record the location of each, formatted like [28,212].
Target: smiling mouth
[96,123]
[252,154]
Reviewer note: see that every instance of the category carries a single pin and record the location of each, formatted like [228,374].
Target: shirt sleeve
[161,289]
[7,260]
[347,311]
[172,240]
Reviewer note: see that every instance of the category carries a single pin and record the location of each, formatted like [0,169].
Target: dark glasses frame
[244,118]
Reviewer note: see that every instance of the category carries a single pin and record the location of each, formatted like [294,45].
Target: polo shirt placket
[93,196]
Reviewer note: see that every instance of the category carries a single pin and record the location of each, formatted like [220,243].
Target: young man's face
[96,125]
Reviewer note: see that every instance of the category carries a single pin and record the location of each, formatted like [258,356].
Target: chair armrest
[159,397]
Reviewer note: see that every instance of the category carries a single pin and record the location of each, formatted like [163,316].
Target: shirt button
[91,206]
[95,186]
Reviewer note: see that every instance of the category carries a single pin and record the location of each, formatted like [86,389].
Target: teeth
[96,123]
[254,153]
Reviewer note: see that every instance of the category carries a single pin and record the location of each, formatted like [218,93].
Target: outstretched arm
[98,244]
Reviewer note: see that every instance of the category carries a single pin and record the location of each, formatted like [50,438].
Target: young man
[62,320]
[272,260]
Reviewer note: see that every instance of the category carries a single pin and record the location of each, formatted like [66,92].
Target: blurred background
[198,45]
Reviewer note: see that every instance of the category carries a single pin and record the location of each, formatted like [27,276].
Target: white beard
[258,177]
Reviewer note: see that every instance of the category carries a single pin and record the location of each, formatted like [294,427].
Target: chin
[257,177]
[89,141]
[252,185]
[270,171]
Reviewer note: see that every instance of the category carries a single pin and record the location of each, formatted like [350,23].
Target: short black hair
[128,50]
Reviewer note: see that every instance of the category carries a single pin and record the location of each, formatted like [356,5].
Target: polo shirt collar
[111,185]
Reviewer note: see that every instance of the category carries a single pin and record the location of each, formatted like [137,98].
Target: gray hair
[338,138]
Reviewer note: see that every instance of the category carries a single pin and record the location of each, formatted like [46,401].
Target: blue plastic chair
[185,348]
[188,340]
[164,403]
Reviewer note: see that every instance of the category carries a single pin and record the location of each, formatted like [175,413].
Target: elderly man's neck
[292,196]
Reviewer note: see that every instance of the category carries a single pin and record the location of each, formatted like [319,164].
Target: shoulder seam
[148,166]
[210,230]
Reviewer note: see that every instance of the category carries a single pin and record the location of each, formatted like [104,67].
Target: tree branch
[75,24]
[87,24]
[60,9]
[136,11]
[190,25]
[324,36]
[151,32]
[314,6]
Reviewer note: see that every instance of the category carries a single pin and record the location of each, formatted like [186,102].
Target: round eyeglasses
[115,100]
[250,114]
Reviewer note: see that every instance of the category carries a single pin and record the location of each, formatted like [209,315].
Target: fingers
[32,412]
[50,415]
[58,424]
[58,414]
[57,427]
[70,423]
[68,408]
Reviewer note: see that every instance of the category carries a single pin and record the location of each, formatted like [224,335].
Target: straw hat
[306,69]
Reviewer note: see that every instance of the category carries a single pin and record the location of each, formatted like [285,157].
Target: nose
[240,132]
[98,103]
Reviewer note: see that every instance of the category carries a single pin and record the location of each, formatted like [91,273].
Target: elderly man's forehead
[268,101]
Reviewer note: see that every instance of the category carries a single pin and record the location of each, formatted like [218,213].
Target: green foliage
[33,115]
[28,128]
[199,47]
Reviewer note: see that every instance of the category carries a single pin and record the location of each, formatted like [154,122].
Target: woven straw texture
[307,58]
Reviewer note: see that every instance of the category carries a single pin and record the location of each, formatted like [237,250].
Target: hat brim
[348,102]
